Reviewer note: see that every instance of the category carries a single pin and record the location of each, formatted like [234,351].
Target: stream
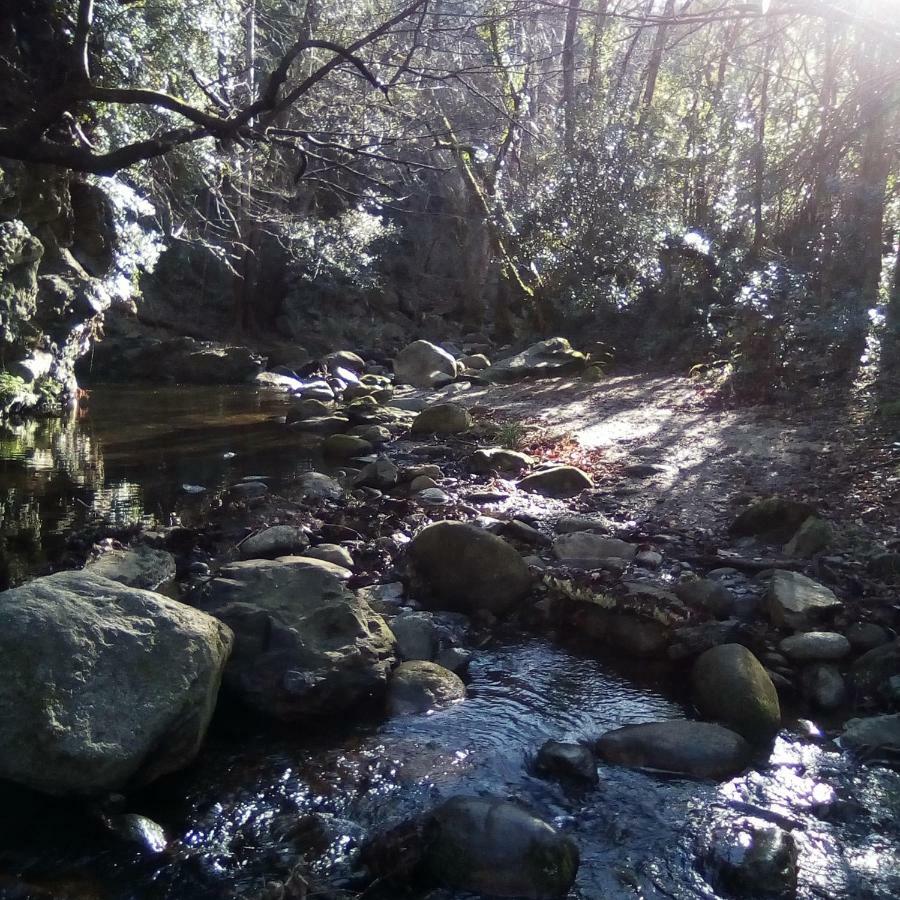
[261,798]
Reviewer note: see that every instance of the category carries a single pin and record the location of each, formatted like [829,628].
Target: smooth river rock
[443,418]
[103,687]
[586,550]
[424,365]
[795,601]
[418,686]
[468,569]
[140,567]
[732,687]
[561,482]
[279,540]
[815,645]
[698,749]
[496,848]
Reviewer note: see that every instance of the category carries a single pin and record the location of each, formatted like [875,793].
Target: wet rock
[823,686]
[546,359]
[279,540]
[418,686]
[497,459]
[456,659]
[815,645]
[813,536]
[469,569]
[706,594]
[417,637]
[102,686]
[444,418]
[561,482]
[304,644]
[773,518]
[586,550]
[698,749]
[381,474]
[876,738]
[344,446]
[864,636]
[248,490]
[316,486]
[872,670]
[317,389]
[732,687]
[139,831]
[497,849]
[795,601]
[752,858]
[278,382]
[574,761]
[424,365]
[333,553]
[140,566]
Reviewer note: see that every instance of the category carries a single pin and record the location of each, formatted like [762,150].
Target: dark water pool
[258,800]
[126,458]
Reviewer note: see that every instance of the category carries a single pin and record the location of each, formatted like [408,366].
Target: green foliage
[511,435]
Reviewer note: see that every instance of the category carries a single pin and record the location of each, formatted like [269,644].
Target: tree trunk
[568,74]
[759,160]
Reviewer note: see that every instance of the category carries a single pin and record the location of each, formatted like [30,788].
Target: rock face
[732,687]
[102,686]
[698,749]
[497,849]
[424,365]
[752,858]
[444,418]
[418,686]
[467,568]
[795,601]
[562,482]
[546,359]
[586,550]
[304,644]
[140,567]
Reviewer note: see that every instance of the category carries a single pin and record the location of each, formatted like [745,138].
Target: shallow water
[125,459]
[259,799]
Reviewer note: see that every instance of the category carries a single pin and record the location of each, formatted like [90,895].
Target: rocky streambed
[446,666]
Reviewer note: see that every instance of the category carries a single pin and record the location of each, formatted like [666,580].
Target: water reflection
[123,460]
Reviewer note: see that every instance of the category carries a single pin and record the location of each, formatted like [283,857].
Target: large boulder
[545,359]
[443,418]
[698,749]
[795,601]
[424,365]
[418,686]
[140,567]
[304,644]
[495,848]
[561,482]
[467,568]
[732,687]
[102,686]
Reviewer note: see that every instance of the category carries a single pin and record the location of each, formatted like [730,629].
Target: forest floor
[709,459]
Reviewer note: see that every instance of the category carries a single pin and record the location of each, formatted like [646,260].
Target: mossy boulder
[417,686]
[561,482]
[467,568]
[732,687]
[344,446]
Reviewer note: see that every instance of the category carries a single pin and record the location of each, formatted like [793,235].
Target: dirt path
[711,459]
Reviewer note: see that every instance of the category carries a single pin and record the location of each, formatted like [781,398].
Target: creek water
[258,799]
